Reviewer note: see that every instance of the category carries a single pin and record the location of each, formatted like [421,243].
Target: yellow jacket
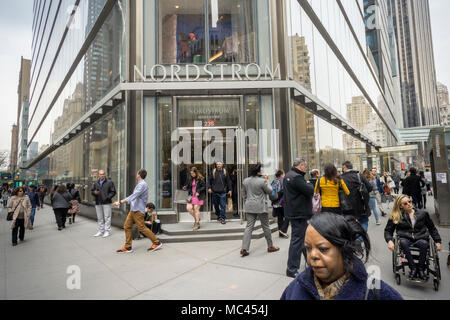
[329,196]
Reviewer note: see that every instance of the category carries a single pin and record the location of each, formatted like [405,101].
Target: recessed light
[177,7]
[238,5]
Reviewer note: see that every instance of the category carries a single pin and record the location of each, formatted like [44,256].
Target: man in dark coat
[360,205]
[103,191]
[298,209]
[219,184]
[412,186]
[34,199]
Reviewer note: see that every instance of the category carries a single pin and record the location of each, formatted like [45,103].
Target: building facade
[167,85]
[23,95]
[416,62]
[444,104]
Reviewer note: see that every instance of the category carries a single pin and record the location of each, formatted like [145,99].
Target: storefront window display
[206,31]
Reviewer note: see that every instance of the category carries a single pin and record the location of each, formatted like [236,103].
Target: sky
[16,34]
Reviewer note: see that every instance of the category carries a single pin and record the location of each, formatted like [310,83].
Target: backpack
[276,190]
[224,172]
[364,194]
[344,201]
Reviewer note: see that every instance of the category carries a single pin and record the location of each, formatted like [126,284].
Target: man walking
[42,192]
[138,202]
[379,191]
[397,179]
[219,184]
[359,200]
[34,199]
[103,191]
[298,209]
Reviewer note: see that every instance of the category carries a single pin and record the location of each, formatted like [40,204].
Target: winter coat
[358,207]
[304,287]
[396,177]
[219,181]
[422,229]
[62,201]
[254,193]
[107,192]
[329,191]
[412,186]
[75,194]
[200,188]
[297,195]
[34,199]
[14,205]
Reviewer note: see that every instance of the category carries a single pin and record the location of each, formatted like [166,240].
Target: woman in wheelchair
[414,228]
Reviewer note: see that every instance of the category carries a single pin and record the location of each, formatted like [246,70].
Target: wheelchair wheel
[398,278]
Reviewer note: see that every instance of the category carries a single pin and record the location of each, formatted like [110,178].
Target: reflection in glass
[164,192]
[231,31]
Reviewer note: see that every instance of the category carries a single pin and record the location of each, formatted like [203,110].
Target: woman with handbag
[329,187]
[19,212]
[254,192]
[196,188]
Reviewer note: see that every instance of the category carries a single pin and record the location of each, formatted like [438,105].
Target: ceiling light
[177,7]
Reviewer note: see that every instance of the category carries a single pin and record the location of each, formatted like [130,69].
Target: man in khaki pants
[138,201]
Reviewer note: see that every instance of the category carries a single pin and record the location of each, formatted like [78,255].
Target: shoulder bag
[317,200]
[10,215]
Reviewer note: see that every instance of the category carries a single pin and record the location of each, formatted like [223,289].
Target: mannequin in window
[231,48]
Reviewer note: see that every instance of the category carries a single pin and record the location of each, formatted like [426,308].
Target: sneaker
[106,235]
[125,250]
[244,253]
[98,234]
[155,246]
[378,223]
[222,221]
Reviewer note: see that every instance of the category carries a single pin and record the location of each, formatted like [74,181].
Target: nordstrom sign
[207,72]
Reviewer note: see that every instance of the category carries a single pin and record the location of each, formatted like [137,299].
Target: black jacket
[107,192]
[200,188]
[412,186]
[422,229]
[75,194]
[359,208]
[219,182]
[297,195]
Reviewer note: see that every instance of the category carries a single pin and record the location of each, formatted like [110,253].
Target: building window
[185,36]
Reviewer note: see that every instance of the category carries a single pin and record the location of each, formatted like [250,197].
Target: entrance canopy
[417,134]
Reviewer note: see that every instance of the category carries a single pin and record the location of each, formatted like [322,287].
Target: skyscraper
[444,104]
[416,62]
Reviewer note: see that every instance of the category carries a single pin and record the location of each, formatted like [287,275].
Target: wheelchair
[432,267]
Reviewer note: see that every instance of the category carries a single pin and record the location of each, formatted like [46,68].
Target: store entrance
[210,131]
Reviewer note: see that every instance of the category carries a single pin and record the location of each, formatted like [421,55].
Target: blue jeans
[220,204]
[364,221]
[373,206]
[297,243]
[33,212]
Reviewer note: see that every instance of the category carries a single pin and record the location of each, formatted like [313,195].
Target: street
[38,267]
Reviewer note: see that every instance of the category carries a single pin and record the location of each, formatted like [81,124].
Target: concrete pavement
[37,268]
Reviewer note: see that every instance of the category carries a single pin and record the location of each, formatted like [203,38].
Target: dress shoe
[273,249]
[244,253]
[291,275]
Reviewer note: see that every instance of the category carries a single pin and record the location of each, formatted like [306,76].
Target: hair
[150,205]
[299,161]
[422,174]
[142,173]
[255,169]
[32,187]
[413,171]
[343,232]
[61,189]
[198,175]
[314,173]
[396,214]
[368,174]
[16,191]
[279,173]
[70,186]
[331,173]
[348,165]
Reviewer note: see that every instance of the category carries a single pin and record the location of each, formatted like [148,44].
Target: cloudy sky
[15,39]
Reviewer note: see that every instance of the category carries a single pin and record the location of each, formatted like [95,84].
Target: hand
[266,177]
[391,246]
[96,192]
[230,193]
[116,204]
[197,194]
[184,188]
[438,246]
[38,208]
[209,191]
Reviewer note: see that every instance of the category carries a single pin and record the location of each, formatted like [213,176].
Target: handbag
[10,215]
[317,201]
[344,202]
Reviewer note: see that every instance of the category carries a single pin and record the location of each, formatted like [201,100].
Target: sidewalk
[36,269]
